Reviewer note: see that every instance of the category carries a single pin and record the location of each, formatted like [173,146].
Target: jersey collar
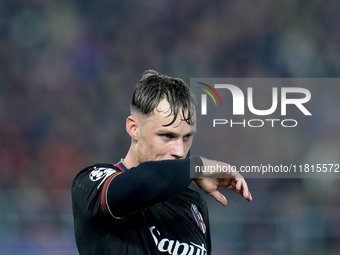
[121,165]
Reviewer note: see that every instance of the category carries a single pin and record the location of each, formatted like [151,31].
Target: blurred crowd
[67,73]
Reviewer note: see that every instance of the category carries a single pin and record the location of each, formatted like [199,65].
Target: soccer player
[142,205]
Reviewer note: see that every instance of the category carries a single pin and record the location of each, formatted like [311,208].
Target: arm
[147,184]
[156,181]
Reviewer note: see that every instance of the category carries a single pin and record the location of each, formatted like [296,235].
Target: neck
[130,159]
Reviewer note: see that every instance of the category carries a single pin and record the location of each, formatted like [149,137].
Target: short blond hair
[153,87]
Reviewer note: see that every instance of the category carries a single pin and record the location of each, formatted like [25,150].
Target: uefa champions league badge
[198,217]
[100,173]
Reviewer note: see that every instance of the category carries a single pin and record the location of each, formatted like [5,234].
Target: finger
[246,193]
[232,186]
[239,183]
[240,186]
[235,184]
[219,197]
[250,198]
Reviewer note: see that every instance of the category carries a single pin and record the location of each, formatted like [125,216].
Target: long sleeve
[146,184]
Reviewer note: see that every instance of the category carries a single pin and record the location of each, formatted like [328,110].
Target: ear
[131,126]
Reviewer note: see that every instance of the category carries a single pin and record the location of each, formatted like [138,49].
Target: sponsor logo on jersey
[175,247]
[198,217]
[101,173]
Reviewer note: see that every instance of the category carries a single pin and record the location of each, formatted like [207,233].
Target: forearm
[148,183]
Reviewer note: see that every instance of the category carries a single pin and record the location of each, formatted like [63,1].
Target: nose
[178,150]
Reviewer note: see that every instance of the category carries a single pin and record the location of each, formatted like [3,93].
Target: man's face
[157,142]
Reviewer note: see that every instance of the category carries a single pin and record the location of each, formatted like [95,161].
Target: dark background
[67,72]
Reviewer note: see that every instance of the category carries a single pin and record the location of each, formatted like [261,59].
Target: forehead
[162,116]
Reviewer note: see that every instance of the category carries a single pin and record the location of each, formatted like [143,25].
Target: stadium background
[67,71]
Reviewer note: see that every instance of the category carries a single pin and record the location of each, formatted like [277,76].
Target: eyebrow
[174,134]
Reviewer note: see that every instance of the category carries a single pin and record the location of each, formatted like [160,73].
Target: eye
[167,136]
[188,137]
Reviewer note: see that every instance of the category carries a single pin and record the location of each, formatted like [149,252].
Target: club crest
[198,217]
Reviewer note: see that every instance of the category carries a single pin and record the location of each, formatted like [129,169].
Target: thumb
[219,197]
